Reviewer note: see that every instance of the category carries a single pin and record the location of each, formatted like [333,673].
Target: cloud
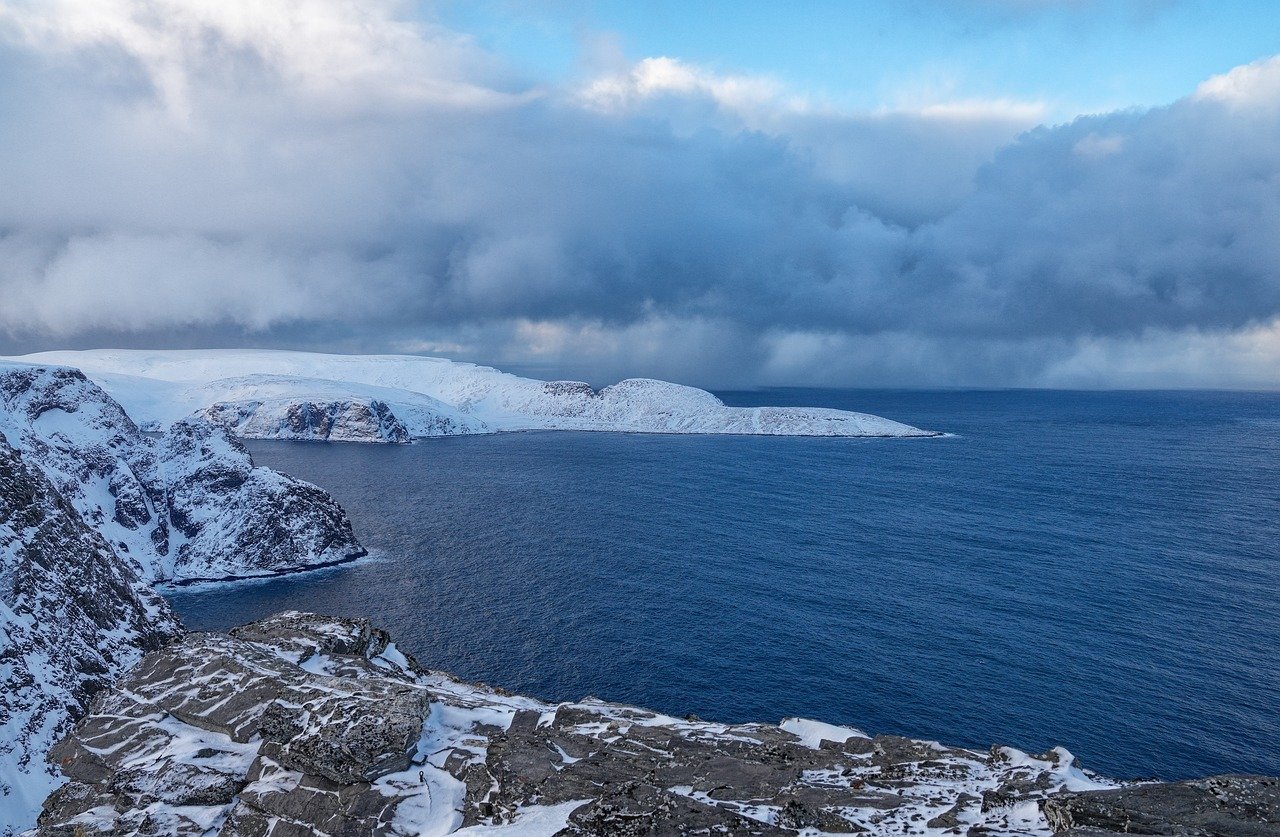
[326,174]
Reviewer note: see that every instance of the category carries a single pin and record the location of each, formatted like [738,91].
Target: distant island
[263,394]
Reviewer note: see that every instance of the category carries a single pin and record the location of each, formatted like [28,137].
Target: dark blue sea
[1097,570]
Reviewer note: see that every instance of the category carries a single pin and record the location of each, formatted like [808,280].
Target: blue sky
[1073,56]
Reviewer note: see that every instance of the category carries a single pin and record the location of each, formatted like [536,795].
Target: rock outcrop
[190,506]
[1231,806]
[301,724]
[307,420]
[72,617]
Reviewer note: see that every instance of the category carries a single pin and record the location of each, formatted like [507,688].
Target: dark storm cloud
[319,176]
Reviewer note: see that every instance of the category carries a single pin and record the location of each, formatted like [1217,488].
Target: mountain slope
[92,511]
[72,616]
[190,506]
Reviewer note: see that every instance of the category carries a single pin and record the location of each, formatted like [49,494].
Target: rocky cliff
[91,512]
[301,724]
[72,617]
[188,506]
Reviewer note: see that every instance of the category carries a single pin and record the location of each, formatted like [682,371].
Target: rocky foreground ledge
[301,724]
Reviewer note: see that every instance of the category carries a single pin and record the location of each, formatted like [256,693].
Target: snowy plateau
[261,394]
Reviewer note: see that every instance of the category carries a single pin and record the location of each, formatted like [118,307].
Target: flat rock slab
[301,725]
[1219,806]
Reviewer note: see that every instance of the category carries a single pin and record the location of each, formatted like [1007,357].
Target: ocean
[1094,570]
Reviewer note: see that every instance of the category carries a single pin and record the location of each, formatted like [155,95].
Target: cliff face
[72,616]
[189,506]
[231,519]
[91,512]
[310,420]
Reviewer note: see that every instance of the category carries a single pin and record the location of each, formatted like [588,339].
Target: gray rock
[1218,806]
[191,506]
[72,616]
[345,420]
[301,724]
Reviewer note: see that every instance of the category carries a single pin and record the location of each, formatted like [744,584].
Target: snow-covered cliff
[274,394]
[72,617]
[189,506]
[91,512]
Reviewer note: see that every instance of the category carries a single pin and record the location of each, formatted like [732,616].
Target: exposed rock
[1219,806]
[191,506]
[72,616]
[306,420]
[301,724]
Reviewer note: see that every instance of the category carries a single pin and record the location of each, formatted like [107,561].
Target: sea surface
[1096,570]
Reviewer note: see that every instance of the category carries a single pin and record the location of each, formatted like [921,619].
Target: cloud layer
[327,174]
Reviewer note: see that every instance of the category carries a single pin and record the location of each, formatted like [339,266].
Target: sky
[916,193]
[1066,58]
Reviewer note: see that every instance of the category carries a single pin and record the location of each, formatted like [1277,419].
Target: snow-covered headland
[394,398]
[189,505]
[92,513]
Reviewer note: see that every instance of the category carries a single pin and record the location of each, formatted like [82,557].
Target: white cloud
[329,171]
[1250,85]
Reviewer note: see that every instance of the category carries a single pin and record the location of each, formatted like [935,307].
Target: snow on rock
[191,506]
[91,510]
[813,733]
[72,617]
[310,409]
[305,724]
[231,519]
[429,396]
[306,420]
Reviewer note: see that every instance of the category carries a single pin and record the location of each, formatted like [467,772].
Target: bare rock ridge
[301,724]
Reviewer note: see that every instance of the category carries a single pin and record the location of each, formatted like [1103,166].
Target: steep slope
[91,511]
[301,724]
[161,386]
[191,506]
[72,616]
[231,519]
